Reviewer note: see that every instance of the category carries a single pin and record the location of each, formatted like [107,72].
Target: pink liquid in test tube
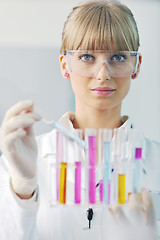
[78,182]
[109,192]
[101,190]
[92,162]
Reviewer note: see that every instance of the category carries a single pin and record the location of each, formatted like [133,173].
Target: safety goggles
[88,63]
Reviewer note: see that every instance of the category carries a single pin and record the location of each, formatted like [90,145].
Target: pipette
[54,124]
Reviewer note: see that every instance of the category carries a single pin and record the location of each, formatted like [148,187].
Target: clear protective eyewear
[88,63]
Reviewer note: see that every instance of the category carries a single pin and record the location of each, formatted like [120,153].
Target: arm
[18,178]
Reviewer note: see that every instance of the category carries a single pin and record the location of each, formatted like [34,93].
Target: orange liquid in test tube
[63,183]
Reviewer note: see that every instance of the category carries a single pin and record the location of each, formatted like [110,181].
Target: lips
[103,91]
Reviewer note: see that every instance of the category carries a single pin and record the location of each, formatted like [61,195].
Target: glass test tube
[137,170]
[59,151]
[100,163]
[55,171]
[107,172]
[101,190]
[63,182]
[77,182]
[137,159]
[121,189]
[63,173]
[118,174]
[122,175]
[78,165]
[104,138]
[130,162]
[90,134]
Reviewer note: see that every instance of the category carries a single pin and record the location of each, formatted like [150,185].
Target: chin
[102,107]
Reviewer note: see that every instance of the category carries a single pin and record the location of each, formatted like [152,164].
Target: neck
[93,118]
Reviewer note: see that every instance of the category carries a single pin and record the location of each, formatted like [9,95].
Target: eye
[118,58]
[87,58]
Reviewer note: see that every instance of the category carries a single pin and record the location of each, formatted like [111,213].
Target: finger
[136,213]
[18,122]
[118,214]
[9,141]
[23,121]
[26,105]
[15,125]
[148,207]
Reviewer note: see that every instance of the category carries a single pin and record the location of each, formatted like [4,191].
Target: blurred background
[30,39]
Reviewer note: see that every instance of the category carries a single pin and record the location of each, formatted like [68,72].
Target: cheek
[77,84]
[123,87]
[124,84]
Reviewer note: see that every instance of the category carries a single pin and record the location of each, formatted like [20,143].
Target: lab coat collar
[49,144]
[68,118]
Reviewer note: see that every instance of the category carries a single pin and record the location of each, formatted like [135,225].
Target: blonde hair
[100,25]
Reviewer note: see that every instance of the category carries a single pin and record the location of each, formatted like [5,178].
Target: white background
[30,39]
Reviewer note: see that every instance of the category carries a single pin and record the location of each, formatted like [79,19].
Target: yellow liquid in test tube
[63,183]
[121,189]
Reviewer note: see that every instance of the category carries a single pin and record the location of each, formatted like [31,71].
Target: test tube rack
[105,172]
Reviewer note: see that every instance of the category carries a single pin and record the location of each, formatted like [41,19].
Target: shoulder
[151,164]
[152,148]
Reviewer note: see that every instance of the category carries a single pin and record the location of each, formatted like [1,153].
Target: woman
[99,53]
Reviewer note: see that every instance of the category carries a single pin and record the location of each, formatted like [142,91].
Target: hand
[18,144]
[140,221]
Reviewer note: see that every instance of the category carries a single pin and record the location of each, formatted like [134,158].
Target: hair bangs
[104,26]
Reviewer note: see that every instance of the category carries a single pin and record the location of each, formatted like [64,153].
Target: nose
[103,73]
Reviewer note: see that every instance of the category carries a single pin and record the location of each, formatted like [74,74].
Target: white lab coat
[34,219]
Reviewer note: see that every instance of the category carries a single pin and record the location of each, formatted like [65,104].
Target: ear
[63,65]
[138,68]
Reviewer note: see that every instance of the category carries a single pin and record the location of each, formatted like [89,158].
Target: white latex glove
[140,222]
[18,144]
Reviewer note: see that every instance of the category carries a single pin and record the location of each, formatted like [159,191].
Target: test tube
[118,173]
[78,182]
[91,136]
[107,172]
[121,189]
[105,137]
[129,164]
[59,151]
[54,175]
[78,165]
[63,173]
[137,170]
[63,182]
[137,160]
[101,190]
[101,163]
